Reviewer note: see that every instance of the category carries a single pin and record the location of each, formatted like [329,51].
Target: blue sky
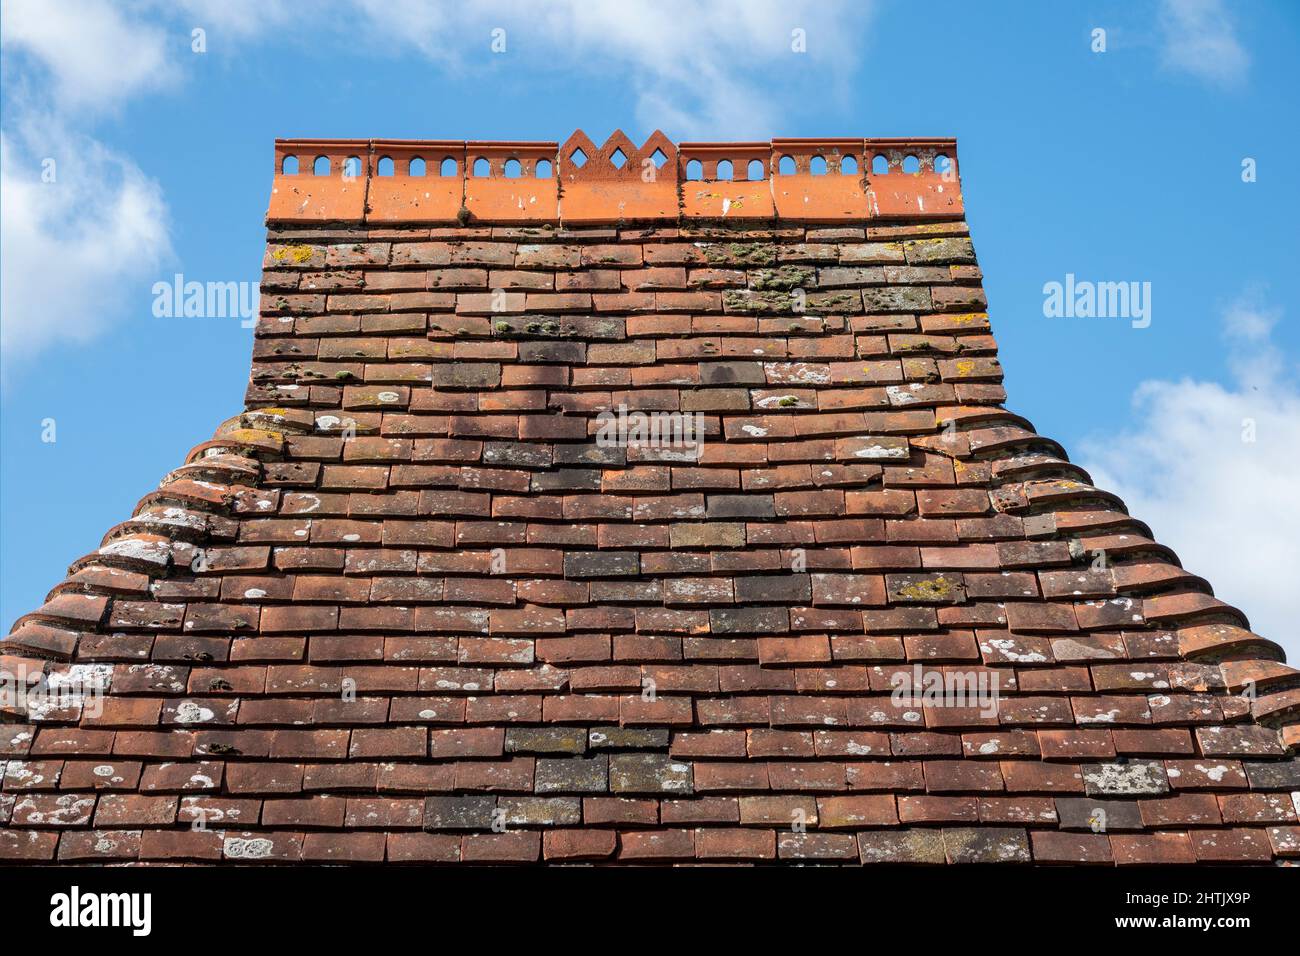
[1122,165]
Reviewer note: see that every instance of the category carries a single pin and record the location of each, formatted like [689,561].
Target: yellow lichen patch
[967,318]
[254,435]
[937,589]
[299,254]
[732,203]
[965,366]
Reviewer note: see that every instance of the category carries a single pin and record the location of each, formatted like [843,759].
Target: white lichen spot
[1010,649]
[188,712]
[253,848]
[1216,772]
[873,452]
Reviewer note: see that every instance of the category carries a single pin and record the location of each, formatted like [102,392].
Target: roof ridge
[800,179]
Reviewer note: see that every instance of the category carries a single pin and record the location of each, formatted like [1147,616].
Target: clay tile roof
[823,598]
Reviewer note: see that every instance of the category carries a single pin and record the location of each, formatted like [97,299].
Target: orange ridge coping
[385,182]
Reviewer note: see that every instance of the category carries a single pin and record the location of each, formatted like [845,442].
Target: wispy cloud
[241,19]
[78,221]
[80,225]
[1199,38]
[1211,468]
[696,68]
[88,54]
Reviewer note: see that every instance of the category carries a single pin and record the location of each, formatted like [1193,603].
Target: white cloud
[79,222]
[72,246]
[1226,505]
[95,56]
[1199,38]
[239,19]
[695,67]
[1249,319]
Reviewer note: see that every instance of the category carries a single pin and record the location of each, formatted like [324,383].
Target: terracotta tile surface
[409,607]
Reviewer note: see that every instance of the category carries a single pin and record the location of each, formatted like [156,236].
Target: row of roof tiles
[672,843]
